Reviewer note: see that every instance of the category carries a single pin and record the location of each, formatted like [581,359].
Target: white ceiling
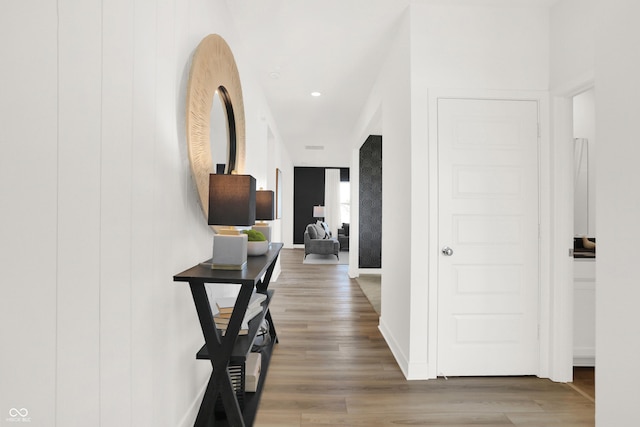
[335,47]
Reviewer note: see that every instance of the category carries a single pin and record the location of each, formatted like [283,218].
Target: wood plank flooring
[584,381]
[331,367]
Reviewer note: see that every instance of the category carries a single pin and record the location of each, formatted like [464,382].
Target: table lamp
[232,202]
[264,212]
[318,212]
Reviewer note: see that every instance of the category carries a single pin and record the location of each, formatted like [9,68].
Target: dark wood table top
[251,274]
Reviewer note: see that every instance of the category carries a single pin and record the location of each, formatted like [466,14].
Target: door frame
[563,227]
[553,319]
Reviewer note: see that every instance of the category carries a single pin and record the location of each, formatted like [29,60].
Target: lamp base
[229,252]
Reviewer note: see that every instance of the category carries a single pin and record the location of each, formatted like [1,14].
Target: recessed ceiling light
[274,75]
[315,94]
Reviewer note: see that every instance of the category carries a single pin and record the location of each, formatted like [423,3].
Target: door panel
[488,216]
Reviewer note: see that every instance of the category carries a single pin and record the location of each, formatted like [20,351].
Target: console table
[222,350]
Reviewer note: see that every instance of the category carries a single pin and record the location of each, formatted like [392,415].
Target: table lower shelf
[252,399]
[244,342]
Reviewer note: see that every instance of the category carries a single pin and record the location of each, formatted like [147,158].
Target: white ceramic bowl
[257,248]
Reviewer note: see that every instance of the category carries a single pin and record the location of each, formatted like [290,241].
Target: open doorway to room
[584,263]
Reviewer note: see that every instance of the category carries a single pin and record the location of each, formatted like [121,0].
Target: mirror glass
[219,135]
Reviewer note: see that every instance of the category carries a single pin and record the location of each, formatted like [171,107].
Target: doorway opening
[584,227]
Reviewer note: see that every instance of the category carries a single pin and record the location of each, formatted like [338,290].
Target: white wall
[395,85]
[597,40]
[464,45]
[267,154]
[572,43]
[455,46]
[28,188]
[100,210]
[571,72]
[617,66]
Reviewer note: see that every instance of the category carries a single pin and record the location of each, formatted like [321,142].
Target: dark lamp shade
[265,205]
[232,199]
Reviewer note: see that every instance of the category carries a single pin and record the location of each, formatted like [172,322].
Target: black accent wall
[370,237]
[308,191]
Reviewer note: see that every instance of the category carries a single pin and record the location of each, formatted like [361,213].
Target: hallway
[332,368]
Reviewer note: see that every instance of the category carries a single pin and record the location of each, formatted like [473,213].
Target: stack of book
[225,308]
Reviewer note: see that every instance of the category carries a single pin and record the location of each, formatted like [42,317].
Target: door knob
[447,251]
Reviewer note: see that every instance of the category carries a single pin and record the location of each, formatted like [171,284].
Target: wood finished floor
[331,367]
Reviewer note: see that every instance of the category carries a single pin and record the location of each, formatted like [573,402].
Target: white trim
[432,345]
[396,349]
[372,271]
[575,86]
[542,98]
[585,361]
[191,413]
[561,234]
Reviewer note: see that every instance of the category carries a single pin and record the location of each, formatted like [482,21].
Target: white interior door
[488,231]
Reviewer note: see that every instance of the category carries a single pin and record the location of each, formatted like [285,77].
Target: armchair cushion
[313,233]
[320,231]
[325,227]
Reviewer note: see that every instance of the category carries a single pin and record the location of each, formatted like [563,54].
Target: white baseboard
[411,370]
[584,356]
[189,417]
[583,361]
[403,363]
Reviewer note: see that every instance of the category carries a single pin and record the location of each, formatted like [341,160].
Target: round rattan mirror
[213,69]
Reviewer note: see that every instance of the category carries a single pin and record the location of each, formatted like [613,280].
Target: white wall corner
[418,370]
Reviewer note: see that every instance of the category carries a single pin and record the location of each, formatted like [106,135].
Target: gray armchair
[318,241]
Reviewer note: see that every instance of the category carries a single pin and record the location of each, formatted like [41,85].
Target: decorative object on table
[232,202]
[257,243]
[263,338]
[264,212]
[213,70]
[318,212]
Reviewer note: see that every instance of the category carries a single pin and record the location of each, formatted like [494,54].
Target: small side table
[232,347]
